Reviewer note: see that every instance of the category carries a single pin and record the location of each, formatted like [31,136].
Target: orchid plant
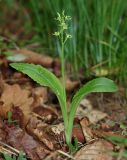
[46,78]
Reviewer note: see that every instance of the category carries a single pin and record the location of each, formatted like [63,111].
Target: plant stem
[62,64]
[66,118]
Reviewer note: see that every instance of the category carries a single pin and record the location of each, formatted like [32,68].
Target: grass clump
[98,29]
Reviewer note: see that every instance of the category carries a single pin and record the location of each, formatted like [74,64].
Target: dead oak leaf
[33,57]
[98,150]
[27,143]
[86,129]
[37,128]
[86,109]
[13,95]
[71,85]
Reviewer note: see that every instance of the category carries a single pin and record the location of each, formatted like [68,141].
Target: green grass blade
[117,140]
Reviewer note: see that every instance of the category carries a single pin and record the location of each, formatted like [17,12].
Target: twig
[66,154]
[13,149]
[4,150]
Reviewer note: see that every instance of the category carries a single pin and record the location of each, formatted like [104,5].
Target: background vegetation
[98,28]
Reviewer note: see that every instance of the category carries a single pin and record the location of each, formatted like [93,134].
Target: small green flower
[62,27]
[56,33]
[68,36]
[67,18]
[58,17]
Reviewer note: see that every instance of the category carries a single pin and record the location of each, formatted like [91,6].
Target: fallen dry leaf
[38,129]
[58,132]
[96,115]
[33,57]
[14,96]
[86,130]
[86,110]
[2,135]
[78,134]
[18,116]
[40,95]
[71,85]
[98,150]
[27,143]
[47,114]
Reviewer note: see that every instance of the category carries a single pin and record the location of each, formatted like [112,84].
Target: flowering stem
[63,36]
[62,64]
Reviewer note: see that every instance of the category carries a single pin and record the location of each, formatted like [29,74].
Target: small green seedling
[46,78]
[19,157]
[9,117]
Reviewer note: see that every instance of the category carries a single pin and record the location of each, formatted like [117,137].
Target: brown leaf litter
[33,57]
[97,150]
[14,96]
[40,127]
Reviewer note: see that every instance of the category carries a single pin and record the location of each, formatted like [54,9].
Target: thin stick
[4,150]
[13,149]
[65,154]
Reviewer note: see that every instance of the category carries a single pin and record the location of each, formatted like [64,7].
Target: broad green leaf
[44,77]
[96,85]
[40,75]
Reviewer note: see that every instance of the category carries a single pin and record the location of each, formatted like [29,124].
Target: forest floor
[31,120]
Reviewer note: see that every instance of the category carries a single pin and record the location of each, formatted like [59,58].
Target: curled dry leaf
[40,95]
[33,57]
[13,137]
[47,114]
[20,79]
[95,116]
[31,146]
[98,150]
[27,143]
[86,110]
[71,85]
[58,132]
[38,129]
[86,130]
[14,96]
[18,116]
[78,134]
